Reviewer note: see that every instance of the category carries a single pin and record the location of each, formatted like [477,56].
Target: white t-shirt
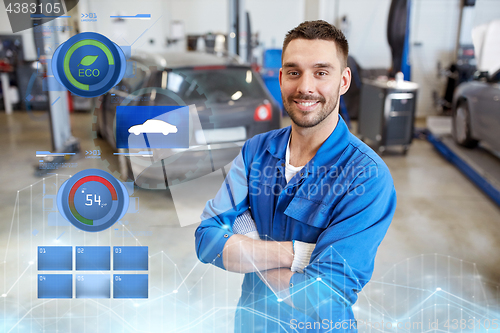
[290,170]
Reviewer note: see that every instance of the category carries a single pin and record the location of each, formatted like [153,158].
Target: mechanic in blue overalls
[303,209]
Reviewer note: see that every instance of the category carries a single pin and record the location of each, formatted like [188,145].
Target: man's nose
[306,84]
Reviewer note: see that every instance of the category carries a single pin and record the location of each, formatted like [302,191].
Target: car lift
[478,164]
[239,32]
[64,145]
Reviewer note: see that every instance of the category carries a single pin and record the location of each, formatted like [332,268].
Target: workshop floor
[445,234]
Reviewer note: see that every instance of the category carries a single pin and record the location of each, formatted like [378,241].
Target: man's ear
[281,76]
[345,80]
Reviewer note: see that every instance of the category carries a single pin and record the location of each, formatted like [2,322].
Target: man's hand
[245,225]
[278,280]
[257,255]
[242,254]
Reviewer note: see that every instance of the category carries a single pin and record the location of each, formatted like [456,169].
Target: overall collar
[327,155]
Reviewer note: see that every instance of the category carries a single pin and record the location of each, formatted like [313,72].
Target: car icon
[153,126]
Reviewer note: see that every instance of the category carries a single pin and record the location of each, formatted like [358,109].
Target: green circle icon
[72,49]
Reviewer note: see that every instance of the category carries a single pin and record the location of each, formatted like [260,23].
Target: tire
[461,125]
[98,132]
[97,123]
[128,174]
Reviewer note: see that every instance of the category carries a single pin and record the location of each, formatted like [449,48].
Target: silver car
[476,112]
[231,105]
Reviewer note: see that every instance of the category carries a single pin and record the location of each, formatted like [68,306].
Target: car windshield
[220,85]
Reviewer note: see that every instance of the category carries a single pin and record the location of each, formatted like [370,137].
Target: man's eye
[293,73]
[322,73]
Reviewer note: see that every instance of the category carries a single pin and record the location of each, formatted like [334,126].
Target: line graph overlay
[187,296]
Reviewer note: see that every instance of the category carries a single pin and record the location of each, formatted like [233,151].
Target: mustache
[318,98]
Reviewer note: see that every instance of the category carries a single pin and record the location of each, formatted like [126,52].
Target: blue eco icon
[88,64]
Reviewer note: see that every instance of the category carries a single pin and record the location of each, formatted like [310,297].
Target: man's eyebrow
[290,65]
[317,65]
[323,65]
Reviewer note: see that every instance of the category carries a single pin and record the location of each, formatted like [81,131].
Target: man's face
[312,80]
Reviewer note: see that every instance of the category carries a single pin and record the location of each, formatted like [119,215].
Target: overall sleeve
[343,259]
[219,214]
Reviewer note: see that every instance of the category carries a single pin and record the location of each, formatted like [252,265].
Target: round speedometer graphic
[92,200]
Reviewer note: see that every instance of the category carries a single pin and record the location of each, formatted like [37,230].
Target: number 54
[88,201]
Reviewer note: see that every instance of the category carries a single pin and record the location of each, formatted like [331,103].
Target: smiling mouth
[306,105]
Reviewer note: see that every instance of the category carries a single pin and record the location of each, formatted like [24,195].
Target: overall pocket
[309,212]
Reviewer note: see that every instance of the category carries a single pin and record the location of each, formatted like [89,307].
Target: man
[304,208]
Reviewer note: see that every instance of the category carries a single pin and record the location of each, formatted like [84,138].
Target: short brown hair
[318,30]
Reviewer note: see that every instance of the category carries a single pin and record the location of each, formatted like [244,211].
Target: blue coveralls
[343,200]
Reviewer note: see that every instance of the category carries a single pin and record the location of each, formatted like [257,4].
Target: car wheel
[129,173]
[98,131]
[98,116]
[461,126]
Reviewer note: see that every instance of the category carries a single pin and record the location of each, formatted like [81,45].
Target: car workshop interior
[424,95]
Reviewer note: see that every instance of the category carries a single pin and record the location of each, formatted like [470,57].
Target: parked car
[230,99]
[476,112]
[476,104]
